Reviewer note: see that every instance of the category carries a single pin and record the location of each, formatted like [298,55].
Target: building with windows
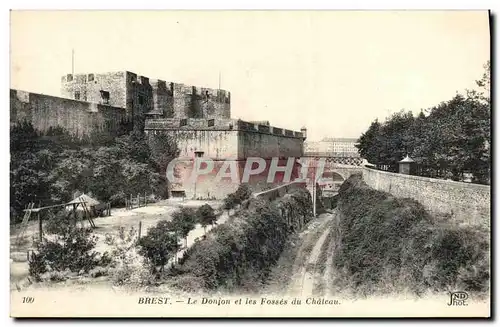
[335,147]
[345,147]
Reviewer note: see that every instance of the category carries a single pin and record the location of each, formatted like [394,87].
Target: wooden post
[140,229]
[74,214]
[40,227]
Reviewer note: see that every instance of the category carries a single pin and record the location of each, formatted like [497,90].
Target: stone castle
[197,118]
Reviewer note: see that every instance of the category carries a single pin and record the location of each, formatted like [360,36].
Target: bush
[71,250]
[128,266]
[239,253]
[386,244]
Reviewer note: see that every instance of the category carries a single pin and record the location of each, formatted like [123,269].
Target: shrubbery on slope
[389,244]
[241,252]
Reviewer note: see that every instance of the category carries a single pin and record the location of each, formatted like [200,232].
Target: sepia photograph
[256,164]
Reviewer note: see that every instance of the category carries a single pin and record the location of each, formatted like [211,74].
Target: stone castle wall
[229,138]
[465,202]
[227,142]
[79,118]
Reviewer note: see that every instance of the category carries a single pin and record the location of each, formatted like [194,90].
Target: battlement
[178,88]
[202,92]
[141,95]
[88,77]
[162,86]
[217,124]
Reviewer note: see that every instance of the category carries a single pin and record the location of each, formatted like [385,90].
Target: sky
[333,72]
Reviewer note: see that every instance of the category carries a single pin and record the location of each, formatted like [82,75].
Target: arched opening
[331,181]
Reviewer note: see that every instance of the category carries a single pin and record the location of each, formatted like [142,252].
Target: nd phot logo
[458,298]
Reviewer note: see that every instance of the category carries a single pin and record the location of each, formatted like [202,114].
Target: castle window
[141,99]
[90,77]
[77,95]
[183,122]
[105,97]
[199,154]
[211,122]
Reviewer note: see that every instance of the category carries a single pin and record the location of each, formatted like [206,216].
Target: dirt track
[306,264]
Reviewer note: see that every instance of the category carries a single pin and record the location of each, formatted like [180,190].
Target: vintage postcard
[250,164]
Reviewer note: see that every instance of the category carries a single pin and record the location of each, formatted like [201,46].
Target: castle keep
[140,95]
[197,118]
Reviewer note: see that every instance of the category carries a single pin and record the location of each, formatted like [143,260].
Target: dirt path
[303,280]
[197,233]
[329,273]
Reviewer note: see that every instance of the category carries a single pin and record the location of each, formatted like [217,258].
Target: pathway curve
[305,266]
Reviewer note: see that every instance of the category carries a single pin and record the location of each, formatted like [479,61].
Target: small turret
[406,165]
[303,130]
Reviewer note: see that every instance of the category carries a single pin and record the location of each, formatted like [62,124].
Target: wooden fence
[136,201]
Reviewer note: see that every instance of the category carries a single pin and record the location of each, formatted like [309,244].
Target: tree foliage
[183,221]
[206,215]
[241,194]
[453,138]
[48,168]
[159,245]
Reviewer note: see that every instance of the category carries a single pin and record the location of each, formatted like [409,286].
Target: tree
[163,150]
[454,138]
[243,193]
[485,81]
[206,216]
[394,139]
[32,158]
[183,221]
[229,201]
[49,167]
[159,244]
[368,146]
[133,145]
